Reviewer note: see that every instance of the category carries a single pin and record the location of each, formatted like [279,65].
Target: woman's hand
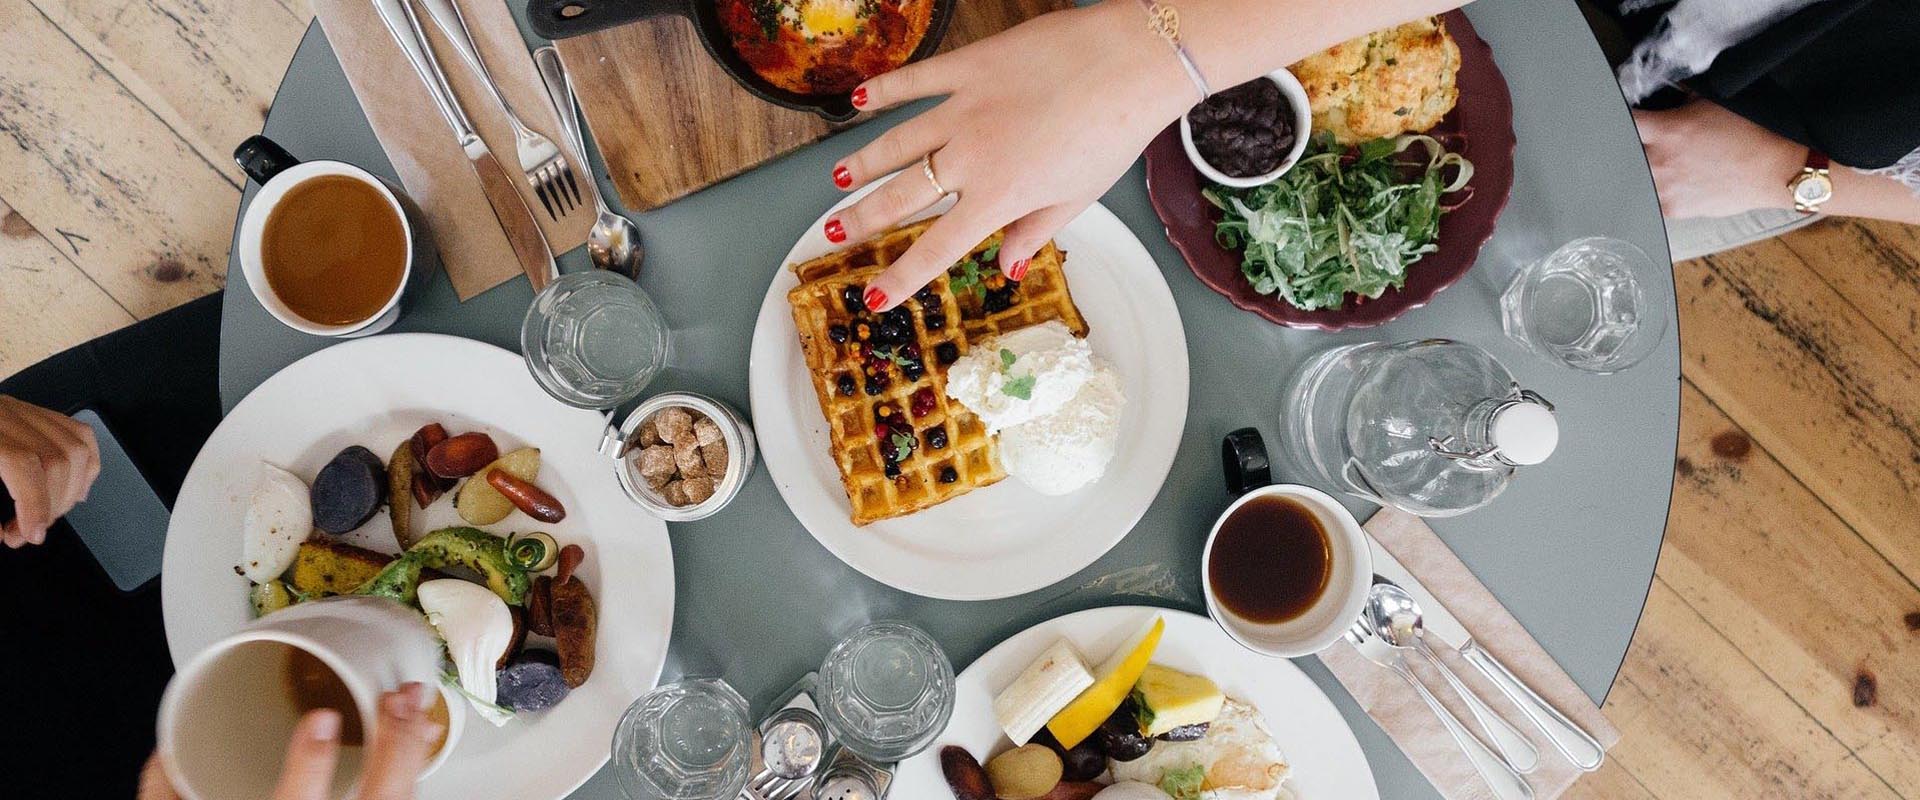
[1038,123]
[47,462]
[402,745]
[1710,162]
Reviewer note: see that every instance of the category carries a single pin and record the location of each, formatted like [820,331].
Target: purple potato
[349,490]
[531,681]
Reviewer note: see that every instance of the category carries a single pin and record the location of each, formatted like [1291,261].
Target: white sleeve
[1906,171]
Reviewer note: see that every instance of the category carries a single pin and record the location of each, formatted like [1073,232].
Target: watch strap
[1817,161]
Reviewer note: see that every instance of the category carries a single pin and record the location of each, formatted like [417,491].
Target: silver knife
[1573,742]
[509,208]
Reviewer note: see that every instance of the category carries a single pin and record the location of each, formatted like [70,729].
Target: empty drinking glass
[1588,305]
[886,691]
[684,741]
[593,339]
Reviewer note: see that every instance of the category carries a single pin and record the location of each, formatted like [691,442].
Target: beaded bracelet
[1164,21]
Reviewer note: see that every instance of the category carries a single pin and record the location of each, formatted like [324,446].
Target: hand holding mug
[403,743]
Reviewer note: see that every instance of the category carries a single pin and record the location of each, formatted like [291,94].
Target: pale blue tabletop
[1569,548]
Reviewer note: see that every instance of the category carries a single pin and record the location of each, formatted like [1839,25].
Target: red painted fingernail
[842,178]
[836,232]
[860,97]
[875,298]
[1019,269]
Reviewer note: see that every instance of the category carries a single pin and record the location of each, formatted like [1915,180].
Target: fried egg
[829,19]
[1242,760]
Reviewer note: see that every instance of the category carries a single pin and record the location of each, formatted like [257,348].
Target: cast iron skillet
[561,19]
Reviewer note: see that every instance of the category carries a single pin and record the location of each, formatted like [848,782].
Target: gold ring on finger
[926,168]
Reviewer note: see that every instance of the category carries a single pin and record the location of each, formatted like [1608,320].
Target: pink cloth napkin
[1400,712]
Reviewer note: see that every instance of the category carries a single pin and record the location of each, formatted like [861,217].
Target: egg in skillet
[822,47]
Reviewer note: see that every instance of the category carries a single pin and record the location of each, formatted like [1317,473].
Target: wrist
[1145,63]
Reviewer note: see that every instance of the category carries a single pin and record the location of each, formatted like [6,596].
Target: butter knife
[1573,742]
[509,208]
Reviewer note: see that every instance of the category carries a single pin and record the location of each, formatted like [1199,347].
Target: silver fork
[1499,775]
[545,166]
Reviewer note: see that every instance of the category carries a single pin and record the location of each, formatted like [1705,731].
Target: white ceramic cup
[1331,615]
[278,173]
[227,715]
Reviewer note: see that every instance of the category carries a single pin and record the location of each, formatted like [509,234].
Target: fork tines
[553,181]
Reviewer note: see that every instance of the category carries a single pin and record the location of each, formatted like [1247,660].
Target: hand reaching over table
[1040,120]
[403,742]
[47,462]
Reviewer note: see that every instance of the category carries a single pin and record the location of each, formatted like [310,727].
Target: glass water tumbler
[886,691]
[593,339]
[689,740]
[1589,305]
[1431,427]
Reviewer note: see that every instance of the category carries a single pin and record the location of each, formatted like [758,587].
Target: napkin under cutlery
[1399,712]
[431,165]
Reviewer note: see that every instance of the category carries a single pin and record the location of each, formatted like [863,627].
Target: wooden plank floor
[1777,657]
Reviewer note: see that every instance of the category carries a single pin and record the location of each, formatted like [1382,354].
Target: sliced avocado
[472,548]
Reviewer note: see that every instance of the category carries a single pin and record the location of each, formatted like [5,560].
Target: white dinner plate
[1004,539]
[1327,761]
[376,392]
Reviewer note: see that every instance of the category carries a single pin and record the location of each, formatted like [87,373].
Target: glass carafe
[1432,427]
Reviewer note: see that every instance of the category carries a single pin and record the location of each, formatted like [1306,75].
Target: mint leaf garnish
[904,444]
[1021,387]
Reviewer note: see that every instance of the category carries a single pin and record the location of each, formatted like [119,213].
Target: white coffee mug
[278,172]
[1245,458]
[227,715]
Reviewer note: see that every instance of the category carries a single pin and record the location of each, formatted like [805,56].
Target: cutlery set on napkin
[500,197]
[1408,634]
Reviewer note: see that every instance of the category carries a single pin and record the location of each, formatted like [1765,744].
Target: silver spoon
[614,242]
[1396,618]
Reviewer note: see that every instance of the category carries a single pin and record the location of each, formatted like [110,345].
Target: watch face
[1812,189]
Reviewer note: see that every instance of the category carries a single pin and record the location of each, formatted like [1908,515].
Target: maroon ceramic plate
[1480,127]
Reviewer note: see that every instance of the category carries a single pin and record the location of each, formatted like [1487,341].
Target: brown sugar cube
[649,435]
[657,466]
[697,489]
[715,456]
[705,431]
[686,456]
[676,494]
[671,423]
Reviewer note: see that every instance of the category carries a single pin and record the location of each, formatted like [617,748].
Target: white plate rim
[636,619]
[793,442]
[1335,766]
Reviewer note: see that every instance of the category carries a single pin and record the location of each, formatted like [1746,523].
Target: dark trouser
[82,664]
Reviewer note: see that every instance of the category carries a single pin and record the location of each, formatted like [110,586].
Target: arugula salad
[1344,220]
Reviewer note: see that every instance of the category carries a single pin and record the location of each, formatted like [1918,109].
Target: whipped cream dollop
[1055,406]
[1022,375]
[1070,448]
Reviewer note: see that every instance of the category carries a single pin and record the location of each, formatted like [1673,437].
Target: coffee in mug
[326,247]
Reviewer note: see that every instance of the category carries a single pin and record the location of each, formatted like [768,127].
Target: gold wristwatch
[1813,187]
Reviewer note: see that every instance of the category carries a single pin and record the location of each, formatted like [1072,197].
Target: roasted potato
[480,503]
[324,569]
[400,474]
[575,618]
[540,606]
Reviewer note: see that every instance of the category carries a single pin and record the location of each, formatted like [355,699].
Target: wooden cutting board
[668,121]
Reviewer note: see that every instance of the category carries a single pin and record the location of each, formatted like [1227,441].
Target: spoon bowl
[1394,616]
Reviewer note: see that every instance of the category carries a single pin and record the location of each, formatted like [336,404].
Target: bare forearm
[1234,41]
[1858,194]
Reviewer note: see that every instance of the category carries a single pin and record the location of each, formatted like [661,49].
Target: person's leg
[85,663]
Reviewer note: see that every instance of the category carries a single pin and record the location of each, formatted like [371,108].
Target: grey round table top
[1569,548]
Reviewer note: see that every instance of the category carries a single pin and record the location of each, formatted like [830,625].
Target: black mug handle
[1243,456]
[261,158]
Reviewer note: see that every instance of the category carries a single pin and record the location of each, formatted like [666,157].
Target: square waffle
[1042,296]
[874,404]
[862,396]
